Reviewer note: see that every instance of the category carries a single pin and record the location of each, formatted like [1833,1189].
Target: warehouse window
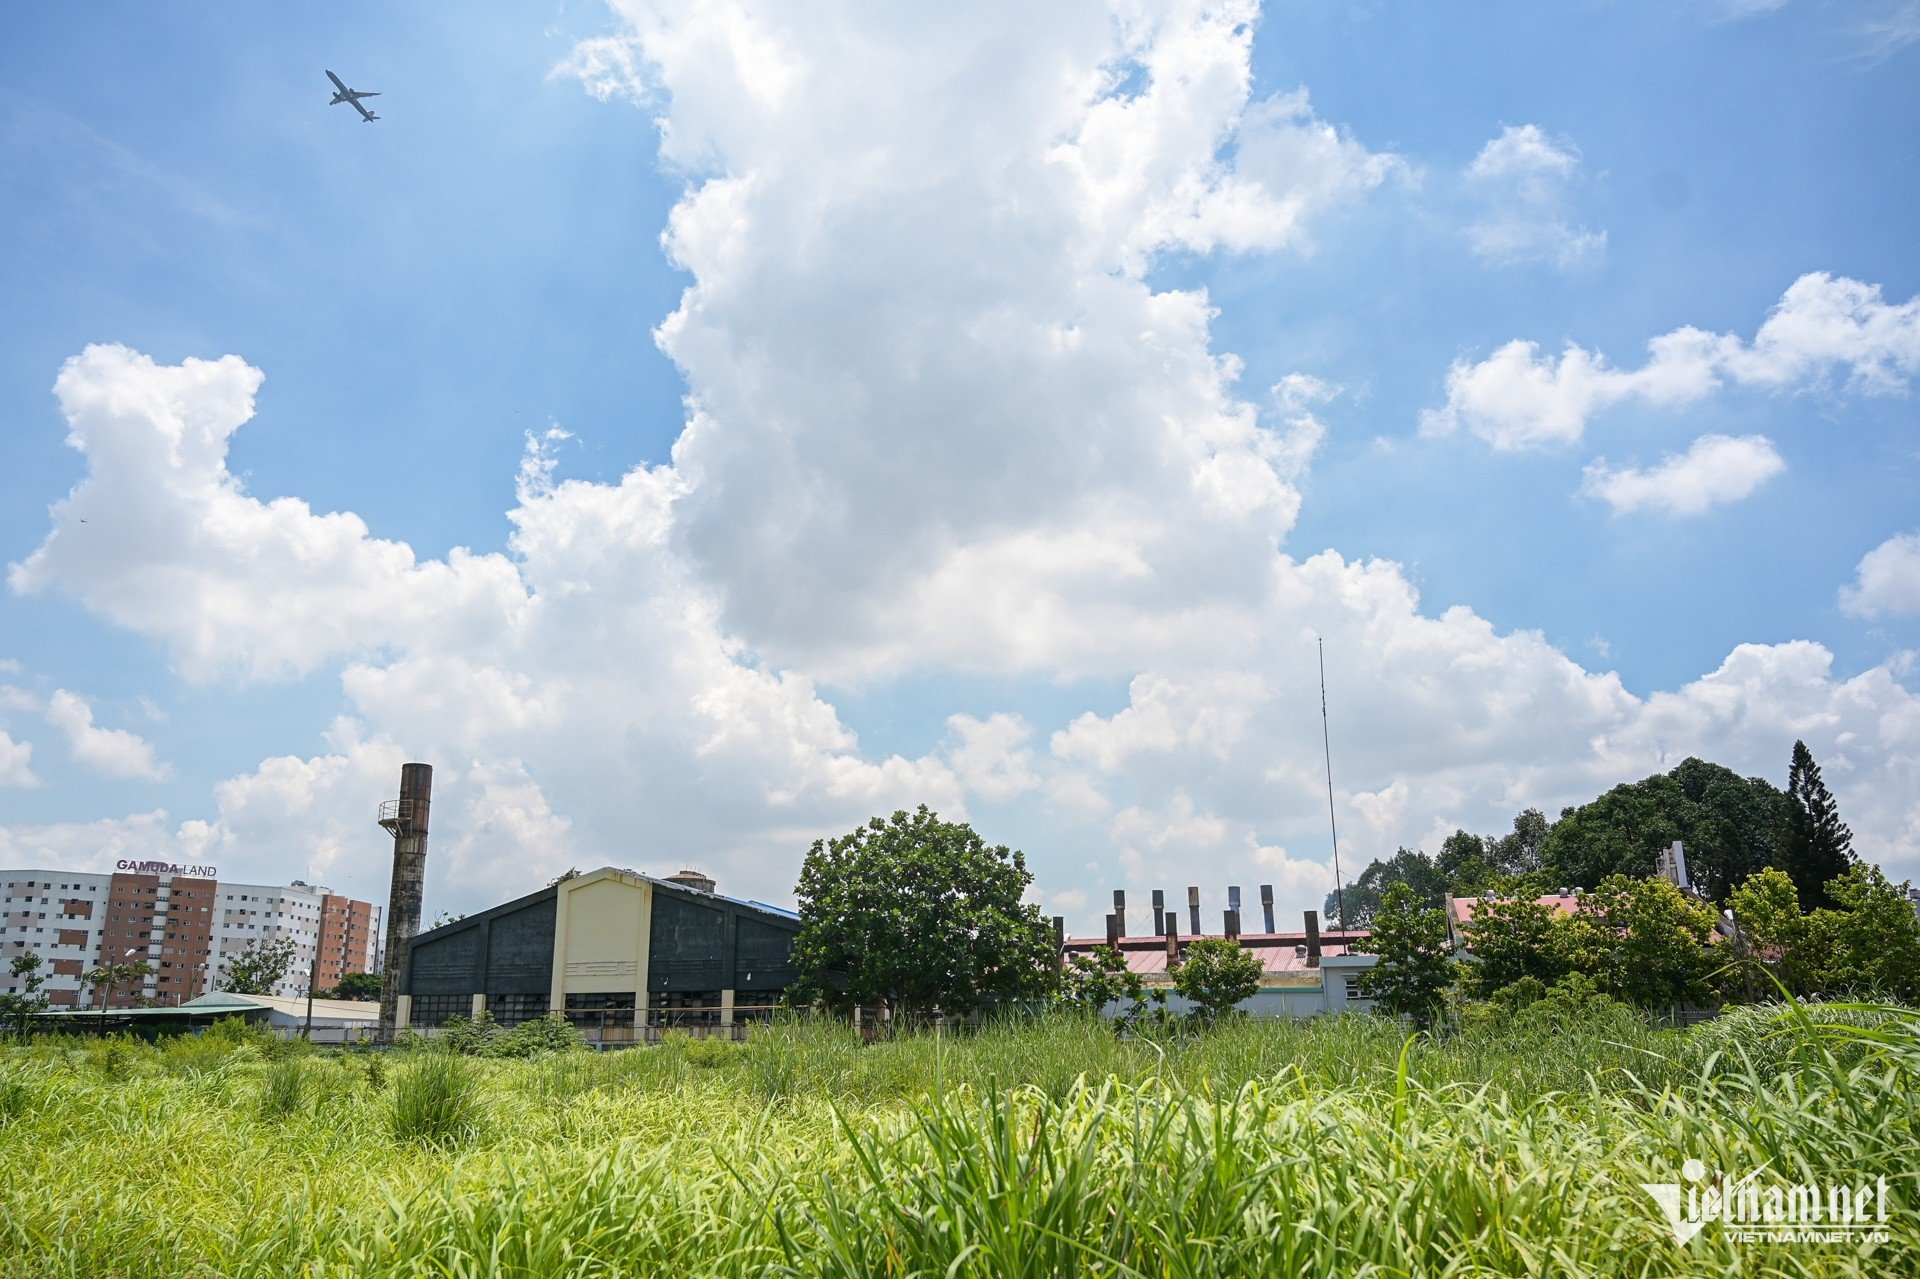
[684,1008]
[433,1010]
[597,1012]
[511,1010]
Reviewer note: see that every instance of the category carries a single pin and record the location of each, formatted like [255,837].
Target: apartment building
[183,921]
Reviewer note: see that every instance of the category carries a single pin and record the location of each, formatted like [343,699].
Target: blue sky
[889,568]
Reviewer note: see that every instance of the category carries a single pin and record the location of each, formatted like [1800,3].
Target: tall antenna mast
[1339,886]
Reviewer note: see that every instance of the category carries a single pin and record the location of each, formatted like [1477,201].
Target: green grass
[1327,1147]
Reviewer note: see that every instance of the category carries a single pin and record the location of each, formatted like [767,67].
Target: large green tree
[1643,941]
[1369,889]
[1511,938]
[1729,825]
[1090,982]
[257,967]
[362,986]
[913,913]
[1215,974]
[1416,962]
[1818,845]
[1868,943]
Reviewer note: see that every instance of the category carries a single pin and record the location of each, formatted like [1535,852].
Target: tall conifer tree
[1818,846]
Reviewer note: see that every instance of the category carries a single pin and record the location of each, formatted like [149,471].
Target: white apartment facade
[183,921]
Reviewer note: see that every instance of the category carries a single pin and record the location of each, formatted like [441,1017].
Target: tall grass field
[1333,1147]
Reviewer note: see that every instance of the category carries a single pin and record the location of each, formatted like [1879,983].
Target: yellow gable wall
[601,925]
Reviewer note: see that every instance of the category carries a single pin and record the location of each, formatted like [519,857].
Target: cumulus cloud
[939,422]
[939,415]
[112,752]
[991,757]
[1887,581]
[1715,470]
[1523,179]
[16,762]
[161,538]
[1823,325]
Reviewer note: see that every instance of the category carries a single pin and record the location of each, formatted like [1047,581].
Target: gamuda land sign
[167,868]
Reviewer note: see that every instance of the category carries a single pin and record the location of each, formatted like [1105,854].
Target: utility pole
[313,970]
[1326,742]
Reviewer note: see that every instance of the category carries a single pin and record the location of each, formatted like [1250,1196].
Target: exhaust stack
[405,819]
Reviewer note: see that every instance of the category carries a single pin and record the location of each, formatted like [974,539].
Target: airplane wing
[336,83]
[365,114]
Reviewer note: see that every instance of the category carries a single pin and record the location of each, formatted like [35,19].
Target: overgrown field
[1334,1147]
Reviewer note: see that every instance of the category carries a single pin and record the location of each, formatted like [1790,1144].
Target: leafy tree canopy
[1216,974]
[1642,941]
[20,1008]
[258,966]
[1416,961]
[915,914]
[354,986]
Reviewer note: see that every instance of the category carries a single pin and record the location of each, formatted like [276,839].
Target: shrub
[283,1090]
[436,1102]
[552,1033]
[16,1098]
[470,1036]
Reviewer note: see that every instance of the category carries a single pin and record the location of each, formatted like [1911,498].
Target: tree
[354,986]
[1617,834]
[1215,974]
[18,1009]
[257,967]
[914,913]
[1732,825]
[1363,896]
[1728,823]
[1869,944]
[1818,845]
[1464,864]
[1519,852]
[1773,934]
[1642,941]
[1416,964]
[1511,939]
[104,978]
[1092,981]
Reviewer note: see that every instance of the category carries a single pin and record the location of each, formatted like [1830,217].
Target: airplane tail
[371,117]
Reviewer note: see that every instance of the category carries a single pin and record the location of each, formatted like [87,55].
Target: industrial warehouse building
[1302,974]
[613,949]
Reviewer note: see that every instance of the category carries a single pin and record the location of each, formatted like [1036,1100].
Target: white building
[183,922]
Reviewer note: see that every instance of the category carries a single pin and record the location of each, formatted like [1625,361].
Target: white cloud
[939,421]
[161,538]
[16,762]
[991,756]
[1717,469]
[1887,581]
[1523,179]
[112,752]
[1517,398]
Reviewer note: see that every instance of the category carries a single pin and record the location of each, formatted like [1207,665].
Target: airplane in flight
[350,97]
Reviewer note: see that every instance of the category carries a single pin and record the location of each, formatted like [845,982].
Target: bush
[16,1098]
[470,1036]
[283,1090]
[1772,1039]
[436,1101]
[552,1033]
